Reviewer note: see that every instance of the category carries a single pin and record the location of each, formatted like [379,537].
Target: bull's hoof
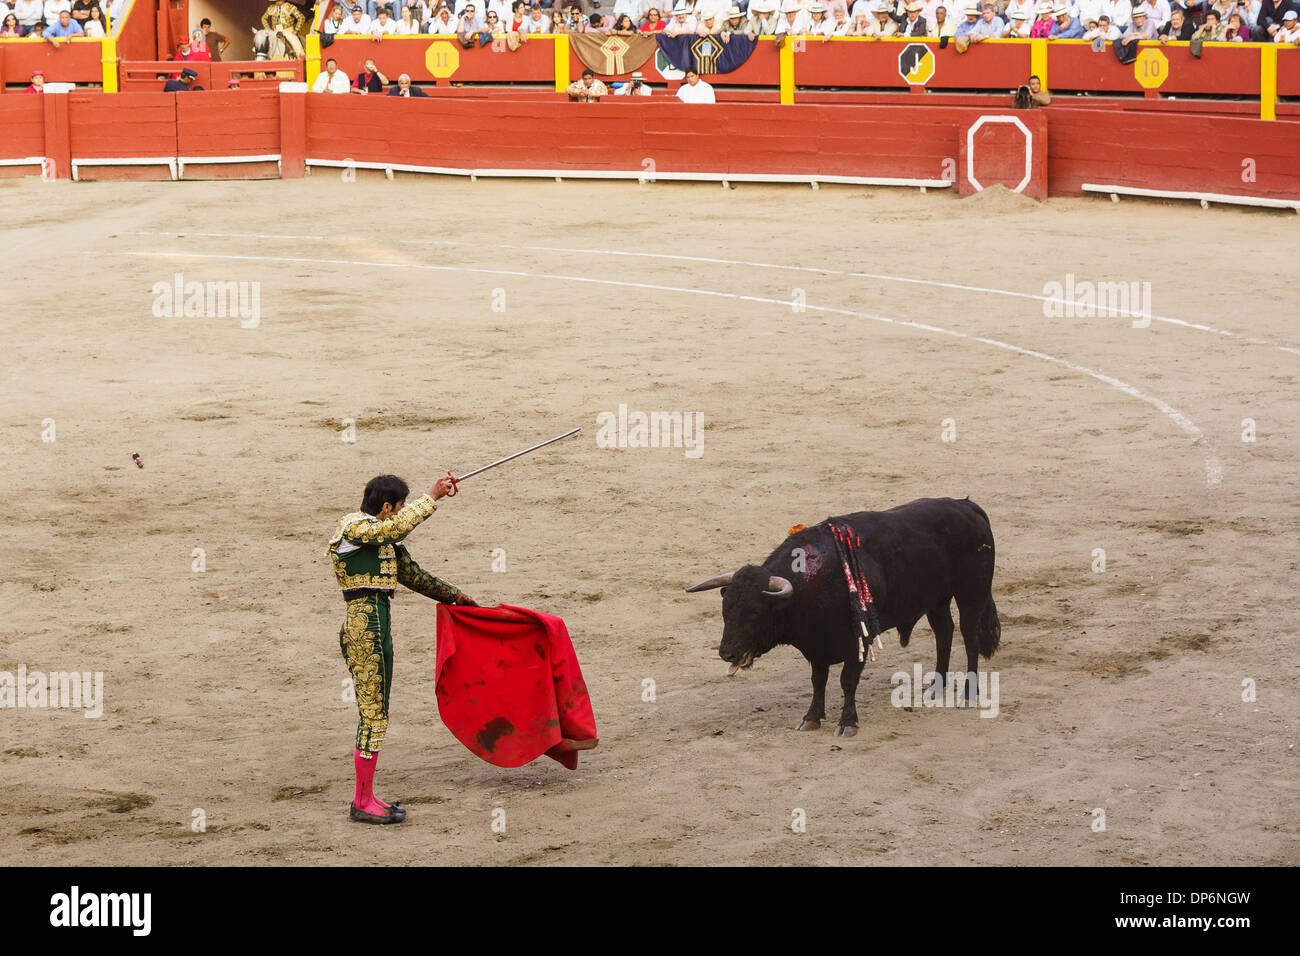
[809,725]
[846,730]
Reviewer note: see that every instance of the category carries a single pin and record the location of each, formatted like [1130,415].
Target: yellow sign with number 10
[1151,69]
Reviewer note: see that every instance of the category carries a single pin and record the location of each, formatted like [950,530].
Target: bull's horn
[721,581]
[778,587]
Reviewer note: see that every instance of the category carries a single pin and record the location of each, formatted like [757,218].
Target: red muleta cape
[509,686]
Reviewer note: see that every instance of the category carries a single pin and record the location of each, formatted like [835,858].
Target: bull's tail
[989,629]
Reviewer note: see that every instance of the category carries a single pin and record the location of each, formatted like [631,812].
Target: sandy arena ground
[1120,690]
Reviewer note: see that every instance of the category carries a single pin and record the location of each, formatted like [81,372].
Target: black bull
[917,558]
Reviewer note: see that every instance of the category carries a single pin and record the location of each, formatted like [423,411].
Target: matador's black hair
[382,490]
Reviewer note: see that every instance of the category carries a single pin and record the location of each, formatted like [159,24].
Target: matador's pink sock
[364,799]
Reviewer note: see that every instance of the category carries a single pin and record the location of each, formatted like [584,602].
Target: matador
[288,21]
[369,561]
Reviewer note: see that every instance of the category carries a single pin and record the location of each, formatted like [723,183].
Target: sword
[455,482]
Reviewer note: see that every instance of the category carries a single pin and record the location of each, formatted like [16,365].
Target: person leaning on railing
[1020,28]
[536,20]
[1064,26]
[65,29]
[1179,27]
[1100,33]
[653,22]
[943,25]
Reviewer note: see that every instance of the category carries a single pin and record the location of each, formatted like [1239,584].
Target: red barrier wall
[1140,148]
[23,120]
[72,61]
[126,124]
[1175,152]
[498,134]
[875,64]
[1003,149]
[1224,69]
[228,124]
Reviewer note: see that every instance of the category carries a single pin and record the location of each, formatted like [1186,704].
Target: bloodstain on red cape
[509,686]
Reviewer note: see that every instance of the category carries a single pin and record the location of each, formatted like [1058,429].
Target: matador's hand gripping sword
[455,482]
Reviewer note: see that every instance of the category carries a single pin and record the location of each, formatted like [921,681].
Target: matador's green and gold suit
[369,562]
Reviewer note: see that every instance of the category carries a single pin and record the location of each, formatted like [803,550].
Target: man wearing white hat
[763,19]
[637,87]
[734,21]
[913,24]
[819,25]
[1020,28]
[682,21]
[882,22]
[710,24]
[794,20]
[972,17]
[1141,27]
[1066,27]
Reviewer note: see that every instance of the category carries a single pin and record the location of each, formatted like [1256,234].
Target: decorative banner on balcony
[706,54]
[612,55]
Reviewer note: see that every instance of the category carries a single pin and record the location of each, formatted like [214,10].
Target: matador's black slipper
[394,815]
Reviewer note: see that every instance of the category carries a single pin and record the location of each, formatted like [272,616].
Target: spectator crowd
[478,21]
[56,20]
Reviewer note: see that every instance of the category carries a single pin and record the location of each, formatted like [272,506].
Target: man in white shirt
[382,25]
[1289,31]
[1120,12]
[716,7]
[1158,12]
[333,80]
[28,12]
[536,22]
[1101,34]
[695,90]
[53,8]
[682,21]
[355,23]
[443,24]
[794,20]
[1090,11]
[635,9]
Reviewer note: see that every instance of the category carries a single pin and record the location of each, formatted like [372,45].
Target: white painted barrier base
[640,175]
[1204,198]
